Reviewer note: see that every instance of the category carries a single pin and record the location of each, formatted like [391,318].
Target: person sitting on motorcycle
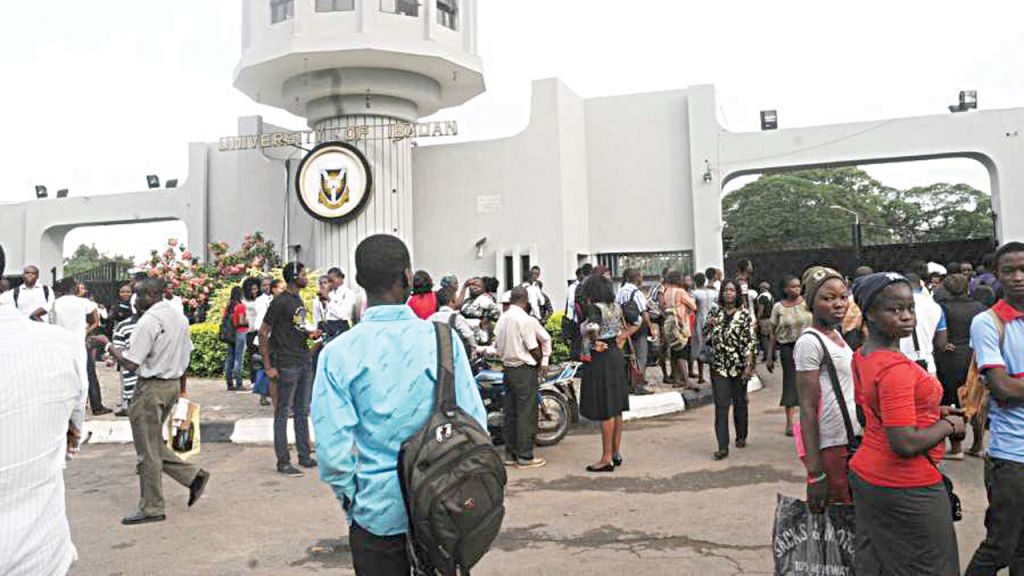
[447,298]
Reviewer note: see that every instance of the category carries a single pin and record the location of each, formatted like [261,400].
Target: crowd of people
[872,365]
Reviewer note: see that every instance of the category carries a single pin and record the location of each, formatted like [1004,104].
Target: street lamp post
[857,241]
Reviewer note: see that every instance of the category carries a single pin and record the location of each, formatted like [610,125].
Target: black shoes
[101,411]
[616,460]
[720,455]
[609,467]
[140,518]
[195,489]
[741,443]
[122,413]
[308,463]
[289,470]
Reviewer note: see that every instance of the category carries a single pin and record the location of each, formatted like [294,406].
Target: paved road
[669,510]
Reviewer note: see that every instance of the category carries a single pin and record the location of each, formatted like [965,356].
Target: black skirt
[790,398]
[903,530]
[605,391]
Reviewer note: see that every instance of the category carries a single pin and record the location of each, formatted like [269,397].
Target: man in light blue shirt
[374,389]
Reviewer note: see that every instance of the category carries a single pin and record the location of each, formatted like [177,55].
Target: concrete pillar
[389,210]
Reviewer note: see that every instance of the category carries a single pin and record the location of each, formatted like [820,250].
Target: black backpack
[631,310]
[452,479]
[17,292]
[227,328]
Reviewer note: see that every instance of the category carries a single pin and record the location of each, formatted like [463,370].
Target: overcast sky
[99,94]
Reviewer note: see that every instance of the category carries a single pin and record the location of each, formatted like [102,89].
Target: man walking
[80,316]
[997,338]
[519,349]
[41,413]
[159,353]
[31,299]
[375,389]
[287,363]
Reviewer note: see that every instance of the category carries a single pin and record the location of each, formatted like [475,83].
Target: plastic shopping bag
[183,429]
[262,385]
[806,544]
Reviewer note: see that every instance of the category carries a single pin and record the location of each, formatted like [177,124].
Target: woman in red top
[423,300]
[904,521]
[236,350]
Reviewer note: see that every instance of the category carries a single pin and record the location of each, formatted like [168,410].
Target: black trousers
[374,555]
[1004,520]
[95,397]
[729,391]
[520,425]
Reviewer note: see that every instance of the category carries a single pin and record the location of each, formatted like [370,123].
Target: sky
[99,94]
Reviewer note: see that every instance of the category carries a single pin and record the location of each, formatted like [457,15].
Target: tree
[88,257]
[793,210]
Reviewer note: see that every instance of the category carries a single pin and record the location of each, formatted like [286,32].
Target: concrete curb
[261,430]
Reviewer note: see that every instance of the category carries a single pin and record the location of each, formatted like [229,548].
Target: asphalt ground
[669,510]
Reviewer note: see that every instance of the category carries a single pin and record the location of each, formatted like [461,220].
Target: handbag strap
[837,389]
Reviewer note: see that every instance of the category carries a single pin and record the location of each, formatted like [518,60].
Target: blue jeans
[234,361]
[294,385]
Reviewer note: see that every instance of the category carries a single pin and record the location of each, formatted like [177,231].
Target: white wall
[525,171]
[638,173]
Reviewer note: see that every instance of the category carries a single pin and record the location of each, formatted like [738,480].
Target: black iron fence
[103,281]
[774,265]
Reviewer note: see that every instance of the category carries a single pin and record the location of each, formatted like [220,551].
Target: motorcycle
[557,406]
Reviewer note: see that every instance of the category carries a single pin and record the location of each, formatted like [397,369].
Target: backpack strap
[837,389]
[17,292]
[444,390]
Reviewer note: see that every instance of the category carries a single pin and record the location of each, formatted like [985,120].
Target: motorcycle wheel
[553,418]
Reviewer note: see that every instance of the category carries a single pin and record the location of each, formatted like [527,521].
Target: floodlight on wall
[153,181]
[62,193]
[480,247]
[769,119]
[40,192]
[707,172]
[968,101]
[172,183]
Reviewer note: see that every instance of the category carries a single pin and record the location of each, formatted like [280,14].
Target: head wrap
[866,288]
[450,281]
[814,278]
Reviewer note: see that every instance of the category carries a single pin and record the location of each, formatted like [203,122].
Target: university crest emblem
[334,187]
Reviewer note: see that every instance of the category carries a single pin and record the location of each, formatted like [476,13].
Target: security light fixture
[968,101]
[480,247]
[707,172]
[62,193]
[769,119]
[172,183]
[153,181]
[40,192]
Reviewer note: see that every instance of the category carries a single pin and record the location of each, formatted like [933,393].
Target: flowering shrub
[256,255]
[188,278]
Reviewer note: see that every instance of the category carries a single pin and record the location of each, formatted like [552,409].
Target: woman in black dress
[952,362]
[605,394]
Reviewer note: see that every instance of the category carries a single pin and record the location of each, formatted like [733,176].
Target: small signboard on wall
[488,204]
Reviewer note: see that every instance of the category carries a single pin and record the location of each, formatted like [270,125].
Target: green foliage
[209,353]
[792,210]
[560,351]
[88,257]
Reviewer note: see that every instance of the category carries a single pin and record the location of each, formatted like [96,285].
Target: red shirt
[891,386]
[238,317]
[423,304]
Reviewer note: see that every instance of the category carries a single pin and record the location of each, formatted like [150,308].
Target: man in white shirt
[520,351]
[80,316]
[637,316]
[535,292]
[41,413]
[930,333]
[341,307]
[447,298]
[31,299]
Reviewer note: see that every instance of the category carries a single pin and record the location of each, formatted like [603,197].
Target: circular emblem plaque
[334,182]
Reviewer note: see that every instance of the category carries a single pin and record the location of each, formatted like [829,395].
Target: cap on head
[813,279]
[867,288]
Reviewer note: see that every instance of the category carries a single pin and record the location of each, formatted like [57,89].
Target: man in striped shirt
[42,408]
[122,340]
